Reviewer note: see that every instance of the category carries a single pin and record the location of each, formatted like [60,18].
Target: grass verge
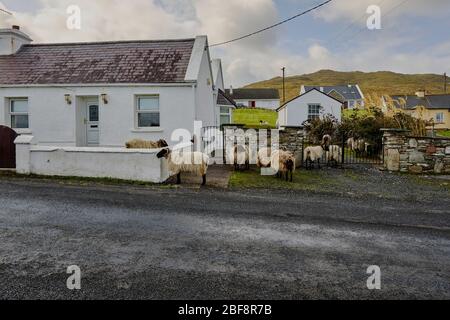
[251,118]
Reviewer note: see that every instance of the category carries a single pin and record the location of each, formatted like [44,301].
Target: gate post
[23,154]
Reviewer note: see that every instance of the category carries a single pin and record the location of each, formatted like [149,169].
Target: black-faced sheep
[284,163]
[334,155]
[240,156]
[186,162]
[312,155]
[142,144]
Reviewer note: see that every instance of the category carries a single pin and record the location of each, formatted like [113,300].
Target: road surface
[137,243]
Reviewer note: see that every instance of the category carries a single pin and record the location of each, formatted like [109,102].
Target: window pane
[148,120]
[93,113]
[19,106]
[19,122]
[224,120]
[225,110]
[148,103]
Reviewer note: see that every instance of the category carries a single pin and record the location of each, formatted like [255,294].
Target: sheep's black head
[163,143]
[164,153]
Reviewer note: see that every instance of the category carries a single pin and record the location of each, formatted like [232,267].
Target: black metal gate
[343,150]
[7,148]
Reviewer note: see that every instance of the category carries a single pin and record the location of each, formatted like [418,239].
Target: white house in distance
[310,105]
[255,98]
[351,95]
[105,93]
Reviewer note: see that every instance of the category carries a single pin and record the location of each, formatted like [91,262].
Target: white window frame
[137,111]
[228,114]
[11,113]
[314,116]
[440,115]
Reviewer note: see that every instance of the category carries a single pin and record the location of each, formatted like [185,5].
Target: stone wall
[406,153]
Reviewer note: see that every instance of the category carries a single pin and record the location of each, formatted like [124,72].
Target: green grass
[445,134]
[303,180]
[251,117]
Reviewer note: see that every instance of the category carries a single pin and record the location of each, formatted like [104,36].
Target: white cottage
[104,93]
[310,105]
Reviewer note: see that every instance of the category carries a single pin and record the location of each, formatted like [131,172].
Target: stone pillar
[395,145]
[291,139]
[23,153]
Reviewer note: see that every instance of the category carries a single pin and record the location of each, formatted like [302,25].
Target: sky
[414,35]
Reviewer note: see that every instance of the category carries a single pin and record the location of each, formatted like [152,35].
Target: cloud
[253,59]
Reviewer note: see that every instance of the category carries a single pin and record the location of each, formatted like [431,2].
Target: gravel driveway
[153,243]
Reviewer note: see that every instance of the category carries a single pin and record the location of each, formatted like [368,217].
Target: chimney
[321,89]
[11,40]
[231,90]
[420,94]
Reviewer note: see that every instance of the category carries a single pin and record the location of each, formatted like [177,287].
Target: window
[18,109]
[440,117]
[147,111]
[225,115]
[314,111]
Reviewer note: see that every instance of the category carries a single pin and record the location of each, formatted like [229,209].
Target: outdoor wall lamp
[104,98]
[68,99]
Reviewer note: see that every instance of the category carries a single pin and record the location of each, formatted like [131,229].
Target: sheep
[240,155]
[142,144]
[326,142]
[334,155]
[284,163]
[313,154]
[264,157]
[186,162]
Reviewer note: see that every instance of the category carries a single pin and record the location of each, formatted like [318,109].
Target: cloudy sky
[414,37]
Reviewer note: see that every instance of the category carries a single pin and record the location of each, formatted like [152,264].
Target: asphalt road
[133,243]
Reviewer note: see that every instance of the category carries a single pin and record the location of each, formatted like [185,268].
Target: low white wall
[116,163]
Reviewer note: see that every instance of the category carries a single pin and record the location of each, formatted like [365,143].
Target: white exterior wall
[53,122]
[295,113]
[116,163]
[263,104]
[206,111]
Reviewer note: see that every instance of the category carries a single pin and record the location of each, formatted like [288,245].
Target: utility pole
[284,84]
[445,83]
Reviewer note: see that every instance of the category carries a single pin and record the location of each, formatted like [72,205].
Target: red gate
[7,148]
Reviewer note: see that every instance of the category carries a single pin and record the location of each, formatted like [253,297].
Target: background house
[90,94]
[434,107]
[351,95]
[310,105]
[255,98]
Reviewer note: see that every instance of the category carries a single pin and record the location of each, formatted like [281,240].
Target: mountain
[373,83]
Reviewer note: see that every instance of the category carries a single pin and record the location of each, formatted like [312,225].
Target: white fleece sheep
[186,162]
[240,155]
[313,154]
[264,157]
[284,163]
[334,154]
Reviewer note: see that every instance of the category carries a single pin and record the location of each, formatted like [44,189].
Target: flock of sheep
[281,161]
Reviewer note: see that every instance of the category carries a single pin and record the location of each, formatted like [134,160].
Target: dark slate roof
[254,94]
[347,92]
[163,61]
[225,100]
[437,101]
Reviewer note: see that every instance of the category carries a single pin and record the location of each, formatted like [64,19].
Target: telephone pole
[445,82]
[284,84]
